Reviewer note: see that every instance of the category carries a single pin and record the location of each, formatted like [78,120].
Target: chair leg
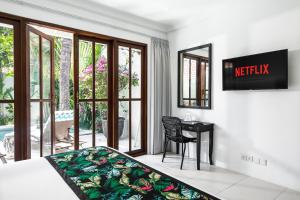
[183,152]
[165,149]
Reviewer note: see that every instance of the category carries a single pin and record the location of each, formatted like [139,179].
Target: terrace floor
[85,140]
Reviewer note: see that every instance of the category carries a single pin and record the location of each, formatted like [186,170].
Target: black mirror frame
[209,45]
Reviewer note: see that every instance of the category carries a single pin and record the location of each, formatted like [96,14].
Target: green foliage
[57,63]
[101,81]
[6,73]
[85,73]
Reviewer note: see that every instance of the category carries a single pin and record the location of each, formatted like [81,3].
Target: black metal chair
[173,132]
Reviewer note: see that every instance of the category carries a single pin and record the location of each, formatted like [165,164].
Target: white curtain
[160,92]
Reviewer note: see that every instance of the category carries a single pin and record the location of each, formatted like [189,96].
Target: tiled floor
[219,182]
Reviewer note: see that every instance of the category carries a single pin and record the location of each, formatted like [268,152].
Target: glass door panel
[47,129]
[46,63]
[85,124]
[34,45]
[123,78]
[85,70]
[136,73]
[101,94]
[7,88]
[35,129]
[41,92]
[93,86]
[102,130]
[101,71]
[130,98]
[7,134]
[123,126]
[136,135]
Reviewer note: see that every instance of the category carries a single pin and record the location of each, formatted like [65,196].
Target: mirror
[194,77]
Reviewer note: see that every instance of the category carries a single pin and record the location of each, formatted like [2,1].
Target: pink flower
[88,69]
[168,188]
[101,64]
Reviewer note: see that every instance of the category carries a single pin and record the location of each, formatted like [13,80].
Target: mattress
[92,173]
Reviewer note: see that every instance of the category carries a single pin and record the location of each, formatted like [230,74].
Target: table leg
[211,146]
[198,150]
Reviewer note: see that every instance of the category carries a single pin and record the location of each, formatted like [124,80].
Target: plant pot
[121,124]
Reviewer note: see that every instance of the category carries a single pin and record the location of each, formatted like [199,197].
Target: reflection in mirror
[194,67]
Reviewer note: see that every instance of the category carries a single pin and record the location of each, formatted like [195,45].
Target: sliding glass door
[40,58]
[93,91]
[64,90]
[131,98]
[110,95]
[9,64]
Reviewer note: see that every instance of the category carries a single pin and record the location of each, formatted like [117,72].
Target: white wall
[265,123]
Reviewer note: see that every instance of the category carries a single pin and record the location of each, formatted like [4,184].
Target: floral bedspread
[103,173]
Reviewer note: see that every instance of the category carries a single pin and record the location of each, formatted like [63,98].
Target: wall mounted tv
[255,72]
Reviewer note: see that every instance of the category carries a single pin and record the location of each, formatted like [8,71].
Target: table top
[195,122]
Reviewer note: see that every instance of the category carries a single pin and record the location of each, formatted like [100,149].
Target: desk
[190,126]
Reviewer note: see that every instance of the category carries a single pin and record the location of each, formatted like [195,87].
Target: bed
[91,173]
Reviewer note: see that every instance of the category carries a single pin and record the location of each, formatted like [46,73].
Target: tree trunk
[65,65]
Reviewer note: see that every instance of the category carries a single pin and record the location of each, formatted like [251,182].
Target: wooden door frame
[22,91]
[109,99]
[17,101]
[143,98]
[41,99]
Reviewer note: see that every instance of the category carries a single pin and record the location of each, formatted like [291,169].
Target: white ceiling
[163,16]
[171,13]
[174,14]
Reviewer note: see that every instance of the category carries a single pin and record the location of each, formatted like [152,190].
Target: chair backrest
[172,128]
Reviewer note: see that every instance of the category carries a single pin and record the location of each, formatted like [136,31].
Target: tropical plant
[6,74]
[58,51]
[101,77]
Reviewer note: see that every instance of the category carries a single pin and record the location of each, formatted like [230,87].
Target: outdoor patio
[85,142]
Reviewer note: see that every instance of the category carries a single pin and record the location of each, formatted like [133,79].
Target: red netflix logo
[262,69]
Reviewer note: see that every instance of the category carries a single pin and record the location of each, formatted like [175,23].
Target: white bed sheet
[33,179]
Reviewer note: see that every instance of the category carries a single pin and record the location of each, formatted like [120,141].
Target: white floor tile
[209,179]
[252,188]
[220,182]
[289,195]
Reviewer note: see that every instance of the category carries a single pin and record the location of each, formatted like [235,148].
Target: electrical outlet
[253,159]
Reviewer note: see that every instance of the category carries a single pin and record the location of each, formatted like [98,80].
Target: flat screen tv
[256,72]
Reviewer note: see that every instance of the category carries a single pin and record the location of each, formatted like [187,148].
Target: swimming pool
[5,130]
